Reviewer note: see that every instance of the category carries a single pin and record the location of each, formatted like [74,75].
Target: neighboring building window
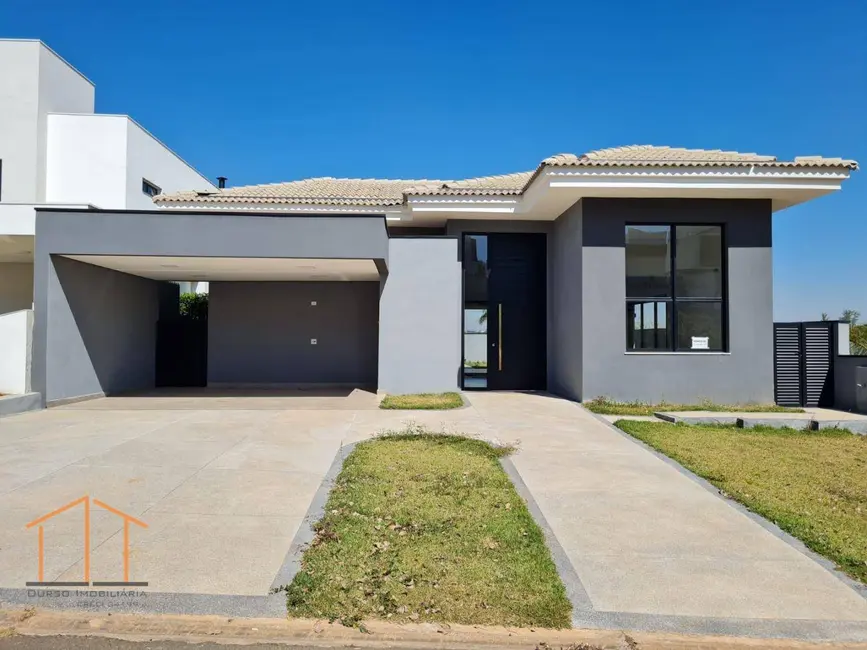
[675,288]
[149,188]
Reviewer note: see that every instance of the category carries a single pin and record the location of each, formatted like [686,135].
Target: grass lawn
[426,401]
[606,406]
[811,484]
[428,527]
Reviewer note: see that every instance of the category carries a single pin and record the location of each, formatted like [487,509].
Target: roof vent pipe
[221,182]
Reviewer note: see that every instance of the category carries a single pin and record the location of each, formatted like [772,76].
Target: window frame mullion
[672,346]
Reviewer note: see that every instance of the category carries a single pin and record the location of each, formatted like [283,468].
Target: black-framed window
[149,188]
[675,288]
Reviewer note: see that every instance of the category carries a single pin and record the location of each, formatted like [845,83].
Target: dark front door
[516,312]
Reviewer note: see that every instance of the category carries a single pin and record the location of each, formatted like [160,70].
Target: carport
[294,301]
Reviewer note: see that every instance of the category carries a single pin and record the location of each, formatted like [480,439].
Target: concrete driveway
[224,482]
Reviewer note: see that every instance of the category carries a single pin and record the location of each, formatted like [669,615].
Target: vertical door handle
[500,333]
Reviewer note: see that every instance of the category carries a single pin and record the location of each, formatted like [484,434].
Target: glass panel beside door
[475,347]
[475,327]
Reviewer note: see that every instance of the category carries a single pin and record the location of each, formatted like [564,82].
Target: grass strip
[606,406]
[428,527]
[423,401]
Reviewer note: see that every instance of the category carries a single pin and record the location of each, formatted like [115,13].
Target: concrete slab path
[645,538]
[811,418]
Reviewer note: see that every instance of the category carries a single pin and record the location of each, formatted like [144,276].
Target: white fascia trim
[698,178]
[685,184]
[497,205]
[707,172]
[389,212]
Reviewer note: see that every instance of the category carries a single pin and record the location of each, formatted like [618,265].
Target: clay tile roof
[311,191]
[385,192]
[504,184]
[647,155]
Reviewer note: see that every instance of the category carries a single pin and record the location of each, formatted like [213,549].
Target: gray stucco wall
[181,234]
[845,378]
[564,345]
[101,336]
[743,374]
[260,332]
[420,317]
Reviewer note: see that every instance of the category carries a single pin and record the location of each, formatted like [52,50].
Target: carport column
[420,316]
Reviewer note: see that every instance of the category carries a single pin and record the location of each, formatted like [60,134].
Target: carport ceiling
[240,269]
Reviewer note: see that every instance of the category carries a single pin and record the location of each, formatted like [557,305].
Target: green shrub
[858,339]
[194,305]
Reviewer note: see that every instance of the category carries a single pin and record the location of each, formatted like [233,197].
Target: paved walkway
[645,538]
[224,486]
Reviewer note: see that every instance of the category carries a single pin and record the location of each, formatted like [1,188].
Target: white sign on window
[701,343]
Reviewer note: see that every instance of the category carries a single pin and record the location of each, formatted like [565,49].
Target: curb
[312,633]
[14,404]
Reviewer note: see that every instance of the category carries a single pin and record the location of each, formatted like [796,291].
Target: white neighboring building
[54,150]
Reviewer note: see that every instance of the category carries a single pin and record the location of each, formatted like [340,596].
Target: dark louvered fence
[804,363]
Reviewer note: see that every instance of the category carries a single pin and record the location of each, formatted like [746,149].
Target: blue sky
[265,91]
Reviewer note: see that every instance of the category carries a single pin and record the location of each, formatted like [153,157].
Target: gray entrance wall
[102,330]
[744,374]
[260,333]
[62,372]
[420,317]
[565,342]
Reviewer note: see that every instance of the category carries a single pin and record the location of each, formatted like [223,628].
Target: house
[638,273]
[56,151]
